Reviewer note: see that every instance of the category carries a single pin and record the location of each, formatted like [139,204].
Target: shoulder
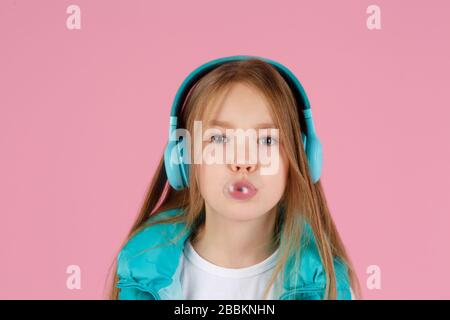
[313,272]
[137,260]
[152,233]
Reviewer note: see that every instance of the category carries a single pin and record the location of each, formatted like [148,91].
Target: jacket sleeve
[132,293]
[129,287]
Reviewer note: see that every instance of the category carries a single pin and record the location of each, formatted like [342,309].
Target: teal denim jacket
[155,274]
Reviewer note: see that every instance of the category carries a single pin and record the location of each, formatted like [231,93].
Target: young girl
[225,230]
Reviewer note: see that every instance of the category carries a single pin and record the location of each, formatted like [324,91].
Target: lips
[242,190]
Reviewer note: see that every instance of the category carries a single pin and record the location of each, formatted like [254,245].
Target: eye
[219,138]
[268,140]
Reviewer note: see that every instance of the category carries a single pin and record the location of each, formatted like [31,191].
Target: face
[242,107]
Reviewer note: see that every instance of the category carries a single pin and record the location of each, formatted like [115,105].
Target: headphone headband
[194,76]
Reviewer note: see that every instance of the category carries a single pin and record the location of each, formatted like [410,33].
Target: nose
[246,162]
[248,168]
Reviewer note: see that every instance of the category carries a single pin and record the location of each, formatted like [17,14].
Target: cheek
[276,183]
[210,178]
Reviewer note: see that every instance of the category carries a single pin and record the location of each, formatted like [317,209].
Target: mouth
[241,190]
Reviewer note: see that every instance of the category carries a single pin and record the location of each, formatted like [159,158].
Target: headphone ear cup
[184,157]
[314,155]
[173,172]
[304,141]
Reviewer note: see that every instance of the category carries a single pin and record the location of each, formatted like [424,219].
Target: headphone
[178,173]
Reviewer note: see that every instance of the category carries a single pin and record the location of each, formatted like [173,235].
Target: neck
[234,243]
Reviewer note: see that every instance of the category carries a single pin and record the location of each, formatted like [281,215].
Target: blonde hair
[302,198]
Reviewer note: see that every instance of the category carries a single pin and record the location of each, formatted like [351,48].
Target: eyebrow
[226,124]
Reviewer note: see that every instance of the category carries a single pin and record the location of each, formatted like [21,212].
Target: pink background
[84,115]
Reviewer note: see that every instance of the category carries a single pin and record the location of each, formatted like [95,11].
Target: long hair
[302,199]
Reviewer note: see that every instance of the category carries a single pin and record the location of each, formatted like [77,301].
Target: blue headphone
[178,173]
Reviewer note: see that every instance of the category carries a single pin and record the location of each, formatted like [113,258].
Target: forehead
[240,106]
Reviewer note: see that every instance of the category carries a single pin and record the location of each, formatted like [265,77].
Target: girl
[231,232]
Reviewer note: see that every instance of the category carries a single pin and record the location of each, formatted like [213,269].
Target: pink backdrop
[84,114]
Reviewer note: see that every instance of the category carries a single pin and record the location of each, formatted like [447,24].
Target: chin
[243,212]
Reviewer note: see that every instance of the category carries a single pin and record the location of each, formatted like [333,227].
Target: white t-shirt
[203,280]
